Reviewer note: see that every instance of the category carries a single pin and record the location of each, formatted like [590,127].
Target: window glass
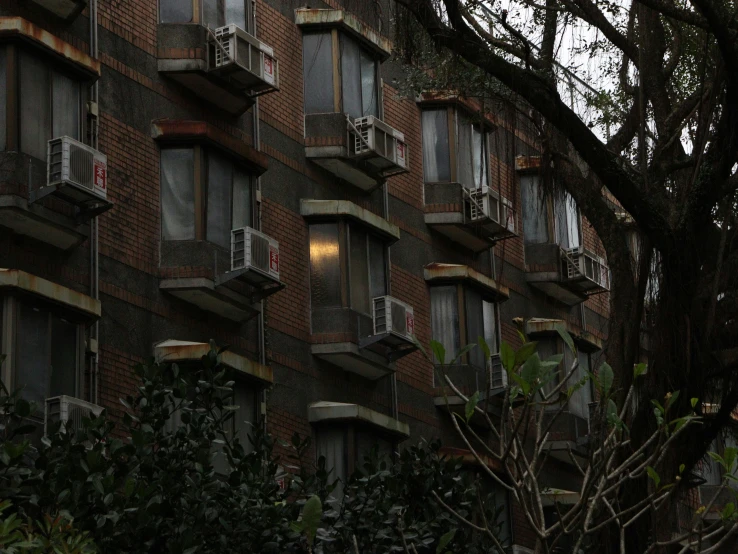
[317,70]
[377,267]
[177,194]
[32,357]
[490,325]
[330,443]
[535,215]
[359,260]
[474,326]
[220,180]
[567,221]
[64,347]
[3,98]
[464,151]
[325,269]
[245,417]
[548,347]
[351,77]
[579,402]
[445,318]
[370,105]
[479,158]
[65,102]
[35,106]
[235,12]
[175,11]
[241,198]
[436,165]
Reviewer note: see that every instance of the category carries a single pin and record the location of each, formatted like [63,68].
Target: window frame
[462,308]
[198,15]
[337,36]
[13,129]
[10,314]
[455,114]
[344,262]
[201,166]
[550,212]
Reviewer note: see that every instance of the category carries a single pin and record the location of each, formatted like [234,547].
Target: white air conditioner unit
[244,59]
[497,373]
[79,172]
[395,318]
[580,262]
[486,204]
[380,146]
[255,251]
[68,409]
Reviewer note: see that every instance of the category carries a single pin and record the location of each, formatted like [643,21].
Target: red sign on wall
[410,323]
[101,175]
[274,259]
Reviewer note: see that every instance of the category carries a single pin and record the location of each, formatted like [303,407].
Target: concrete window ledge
[309,18]
[186,351]
[325,412]
[26,283]
[333,209]
[40,223]
[347,356]
[587,341]
[442,273]
[206,295]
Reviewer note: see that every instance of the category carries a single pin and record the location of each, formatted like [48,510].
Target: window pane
[235,12]
[213,13]
[535,217]
[377,267]
[445,319]
[547,348]
[35,114]
[175,11]
[241,198]
[245,416]
[325,269]
[220,181]
[436,165]
[65,106]
[32,357]
[370,105]
[351,77]
[490,325]
[317,70]
[3,97]
[64,348]
[364,444]
[177,194]
[480,158]
[464,151]
[359,271]
[330,443]
[572,221]
[474,326]
[579,402]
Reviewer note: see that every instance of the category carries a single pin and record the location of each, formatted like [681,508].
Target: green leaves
[653,476]
[471,404]
[439,352]
[639,369]
[507,356]
[565,336]
[444,540]
[605,377]
[312,512]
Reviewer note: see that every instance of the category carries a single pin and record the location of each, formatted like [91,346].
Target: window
[580,400]
[215,13]
[205,204]
[356,66]
[49,102]
[480,321]
[470,144]
[47,358]
[566,228]
[241,424]
[367,266]
[567,221]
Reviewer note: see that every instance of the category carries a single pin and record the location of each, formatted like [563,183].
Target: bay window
[211,13]
[455,149]
[352,66]
[47,102]
[580,400]
[538,225]
[204,195]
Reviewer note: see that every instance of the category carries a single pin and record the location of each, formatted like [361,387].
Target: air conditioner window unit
[497,373]
[394,317]
[486,204]
[68,409]
[248,62]
[255,251]
[580,262]
[380,145]
[79,172]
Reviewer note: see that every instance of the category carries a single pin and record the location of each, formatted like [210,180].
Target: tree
[151,486]
[668,91]
[522,417]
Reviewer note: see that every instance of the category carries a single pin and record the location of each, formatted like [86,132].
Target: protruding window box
[568,275]
[225,66]
[322,413]
[569,432]
[67,10]
[363,151]
[355,324]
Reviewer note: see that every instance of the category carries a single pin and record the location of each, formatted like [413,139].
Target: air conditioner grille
[399,319]
[260,252]
[238,249]
[80,166]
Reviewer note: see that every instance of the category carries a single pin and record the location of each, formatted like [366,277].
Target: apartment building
[175,171]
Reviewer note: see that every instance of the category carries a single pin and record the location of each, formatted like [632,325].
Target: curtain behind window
[65,106]
[331,444]
[436,164]
[351,77]
[220,181]
[32,357]
[3,98]
[317,71]
[63,357]
[579,401]
[479,158]
[474,326]
[445,318]
[548,347]
[464,148]
[567,220]
[35,106]
[325,268]
[370,105]
[359,260]
[490,326]
[535,216]
[177,194]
